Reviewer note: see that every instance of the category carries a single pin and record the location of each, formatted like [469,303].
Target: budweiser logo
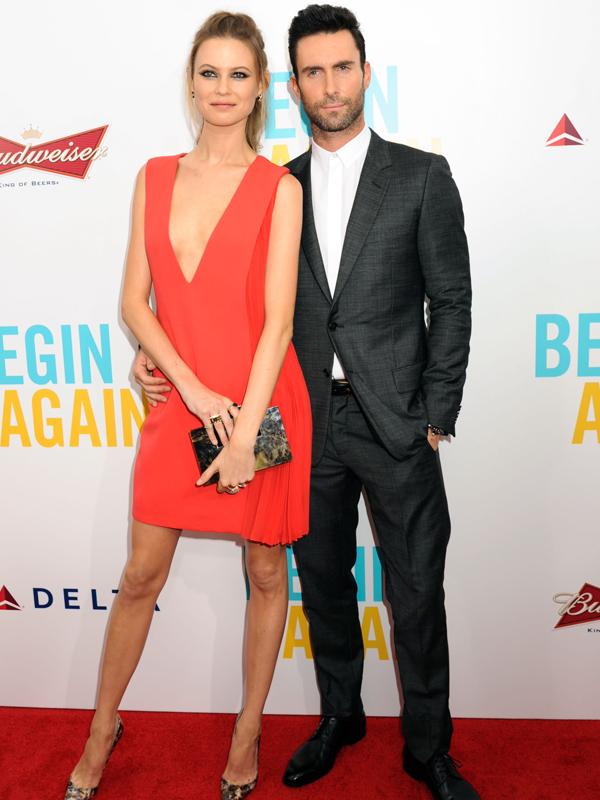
[576,609]
[71,155]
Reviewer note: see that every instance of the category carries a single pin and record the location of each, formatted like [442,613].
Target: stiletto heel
[78,792]
[234,791]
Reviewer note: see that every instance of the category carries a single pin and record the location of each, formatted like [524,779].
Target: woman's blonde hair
[222,25]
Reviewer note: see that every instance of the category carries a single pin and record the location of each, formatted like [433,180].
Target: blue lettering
[295,594]
[101,355]
[377,577]
[49,375]
[95,605]
[388,107]
[67,347]
[360,575]
[8,330]
[38,601]
[543,343]
[585,344]
[71,598]
[274,104]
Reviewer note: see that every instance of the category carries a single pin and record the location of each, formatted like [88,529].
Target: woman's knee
[266,569]
[141,582]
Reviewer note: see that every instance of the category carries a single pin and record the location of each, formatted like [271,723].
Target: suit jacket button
[332,326]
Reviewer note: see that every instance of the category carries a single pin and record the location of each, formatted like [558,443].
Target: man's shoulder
[403,155]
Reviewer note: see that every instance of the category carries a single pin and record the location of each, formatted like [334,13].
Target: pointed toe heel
[234,791]
[74,792]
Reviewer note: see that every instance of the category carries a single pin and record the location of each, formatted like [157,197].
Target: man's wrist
[437,431]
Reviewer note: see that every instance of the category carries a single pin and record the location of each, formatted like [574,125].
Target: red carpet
[180,757]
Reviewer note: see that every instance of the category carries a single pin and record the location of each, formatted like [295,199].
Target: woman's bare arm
[236,462]
[281,279]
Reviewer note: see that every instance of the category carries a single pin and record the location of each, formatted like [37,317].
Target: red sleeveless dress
[214,321]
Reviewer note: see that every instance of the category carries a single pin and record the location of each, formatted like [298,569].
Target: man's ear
[367,75]
[295,89]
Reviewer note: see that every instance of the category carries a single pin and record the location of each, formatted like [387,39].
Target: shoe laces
[444,766]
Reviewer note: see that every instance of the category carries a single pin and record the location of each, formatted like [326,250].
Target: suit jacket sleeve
[444,258]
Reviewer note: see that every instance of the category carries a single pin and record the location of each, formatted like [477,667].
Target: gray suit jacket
[405,239]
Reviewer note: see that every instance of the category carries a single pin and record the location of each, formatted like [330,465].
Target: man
[383,228]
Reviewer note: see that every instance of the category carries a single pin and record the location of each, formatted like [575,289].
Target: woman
[216,232]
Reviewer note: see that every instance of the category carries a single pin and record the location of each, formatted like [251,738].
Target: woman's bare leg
[144,576]
[266,614]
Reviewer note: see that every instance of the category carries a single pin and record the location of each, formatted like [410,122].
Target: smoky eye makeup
[209,72]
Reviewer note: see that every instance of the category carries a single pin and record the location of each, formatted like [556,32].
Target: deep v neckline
[214,230]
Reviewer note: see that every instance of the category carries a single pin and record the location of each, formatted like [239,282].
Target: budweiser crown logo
[577,609]
[70,155]
[31,133]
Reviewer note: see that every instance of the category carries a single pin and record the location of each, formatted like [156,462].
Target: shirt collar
[348,153]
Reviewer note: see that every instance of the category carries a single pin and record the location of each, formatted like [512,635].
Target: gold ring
[216,418]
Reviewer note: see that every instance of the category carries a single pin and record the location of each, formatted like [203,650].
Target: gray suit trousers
[408,506]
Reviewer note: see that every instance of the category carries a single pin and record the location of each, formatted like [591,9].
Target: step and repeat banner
[508,93]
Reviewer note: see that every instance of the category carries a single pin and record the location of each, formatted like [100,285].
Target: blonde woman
[216,233]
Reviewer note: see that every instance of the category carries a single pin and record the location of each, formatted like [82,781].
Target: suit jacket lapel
[310,242]
[370,192]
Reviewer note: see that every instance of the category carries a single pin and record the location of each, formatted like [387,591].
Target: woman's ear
[264,84]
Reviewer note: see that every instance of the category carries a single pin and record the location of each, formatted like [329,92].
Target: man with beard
[382,229]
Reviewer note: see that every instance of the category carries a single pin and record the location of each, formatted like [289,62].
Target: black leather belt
[340,387]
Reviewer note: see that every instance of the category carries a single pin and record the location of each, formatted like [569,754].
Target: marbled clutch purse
[270,449]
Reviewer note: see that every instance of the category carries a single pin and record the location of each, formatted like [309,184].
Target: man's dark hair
[324,19]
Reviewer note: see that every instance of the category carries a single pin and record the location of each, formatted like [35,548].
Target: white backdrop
[485,84]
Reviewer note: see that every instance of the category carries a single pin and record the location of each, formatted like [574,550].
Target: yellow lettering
[371,619]
[588,416]
[280,154]
[109,417]
[297,620]
[83,422]
[12,405]
[56,437]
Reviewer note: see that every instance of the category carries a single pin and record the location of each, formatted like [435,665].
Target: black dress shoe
[441,776]
[316,757]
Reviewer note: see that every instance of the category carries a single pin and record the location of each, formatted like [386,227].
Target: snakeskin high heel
[79,793]
[234,791]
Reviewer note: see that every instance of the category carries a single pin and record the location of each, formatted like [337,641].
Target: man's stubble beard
[350,114]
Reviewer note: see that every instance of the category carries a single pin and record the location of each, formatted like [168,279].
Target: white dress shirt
[334,180]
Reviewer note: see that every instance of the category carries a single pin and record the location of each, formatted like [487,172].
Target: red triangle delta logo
[565,133]
[7,601]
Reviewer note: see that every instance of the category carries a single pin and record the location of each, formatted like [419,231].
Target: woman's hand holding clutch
[216,411]
[235,465]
